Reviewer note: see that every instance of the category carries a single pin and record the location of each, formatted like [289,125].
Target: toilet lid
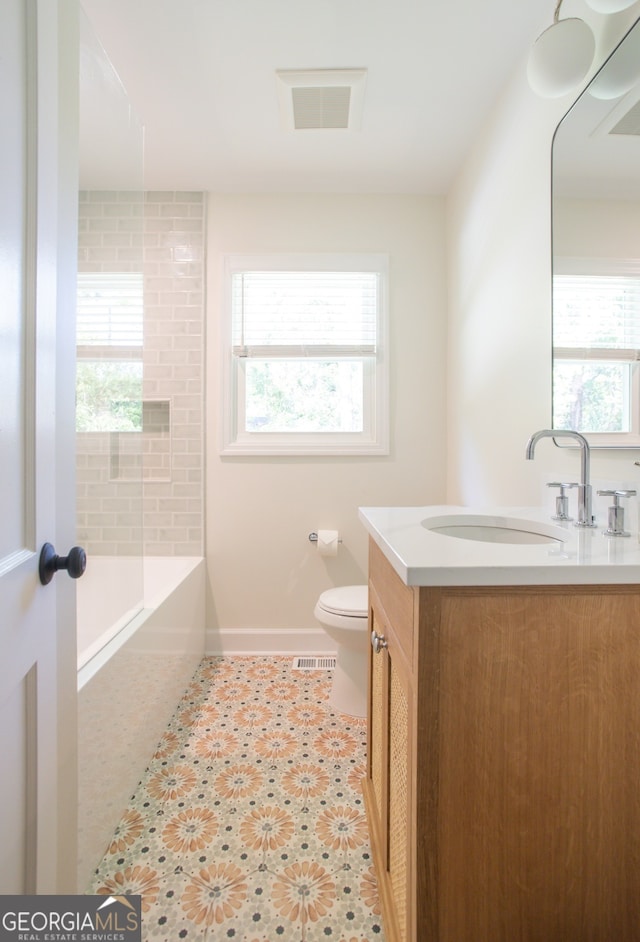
[346,600]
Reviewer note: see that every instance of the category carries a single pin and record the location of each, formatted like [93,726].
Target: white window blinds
[109,314]
[596,317]
[304,313]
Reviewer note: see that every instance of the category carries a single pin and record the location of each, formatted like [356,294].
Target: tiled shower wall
[165,232]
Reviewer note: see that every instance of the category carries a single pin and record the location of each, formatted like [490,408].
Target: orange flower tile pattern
[249,823]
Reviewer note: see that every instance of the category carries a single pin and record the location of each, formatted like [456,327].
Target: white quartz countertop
[423,557]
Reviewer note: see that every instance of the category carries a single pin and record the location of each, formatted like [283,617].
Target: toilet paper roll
[328,542]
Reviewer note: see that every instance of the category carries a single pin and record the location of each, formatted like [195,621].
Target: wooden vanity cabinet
[503,781]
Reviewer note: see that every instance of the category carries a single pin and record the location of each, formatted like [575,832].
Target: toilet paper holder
[313,537]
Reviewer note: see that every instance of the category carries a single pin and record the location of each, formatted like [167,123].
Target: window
[596,349]
[305,368]
[109,352]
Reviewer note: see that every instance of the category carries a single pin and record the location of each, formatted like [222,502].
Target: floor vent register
[313,663]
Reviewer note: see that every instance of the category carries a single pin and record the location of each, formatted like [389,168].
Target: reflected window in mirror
[596,339]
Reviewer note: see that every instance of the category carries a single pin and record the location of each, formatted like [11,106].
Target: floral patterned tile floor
[249,822]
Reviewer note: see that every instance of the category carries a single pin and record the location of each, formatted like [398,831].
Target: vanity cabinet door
[379,724]
[388,785]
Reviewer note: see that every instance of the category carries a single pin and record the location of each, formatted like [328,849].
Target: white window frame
[374,439]
[589,267]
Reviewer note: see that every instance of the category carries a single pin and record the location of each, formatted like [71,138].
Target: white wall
[263,572]
[499,263]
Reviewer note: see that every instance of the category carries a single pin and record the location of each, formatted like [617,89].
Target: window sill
[332,448]
[620,442]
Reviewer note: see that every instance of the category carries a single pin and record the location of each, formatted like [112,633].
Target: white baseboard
[268,641]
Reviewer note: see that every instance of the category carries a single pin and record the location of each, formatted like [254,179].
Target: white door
[37,630]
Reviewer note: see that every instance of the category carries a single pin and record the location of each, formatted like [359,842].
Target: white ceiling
[201,76]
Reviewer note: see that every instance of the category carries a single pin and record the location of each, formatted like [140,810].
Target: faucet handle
[562,501]
[617,494]
[616,512]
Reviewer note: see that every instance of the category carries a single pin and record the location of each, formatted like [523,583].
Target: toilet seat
[349,601]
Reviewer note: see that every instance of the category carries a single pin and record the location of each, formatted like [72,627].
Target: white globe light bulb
[621,72]
[561,57]
[609,6]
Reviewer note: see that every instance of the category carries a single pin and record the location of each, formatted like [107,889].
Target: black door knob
[75,563]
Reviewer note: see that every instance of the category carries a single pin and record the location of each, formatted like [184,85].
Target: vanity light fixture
[561,56]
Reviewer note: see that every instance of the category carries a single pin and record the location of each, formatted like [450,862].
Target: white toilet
[343,613]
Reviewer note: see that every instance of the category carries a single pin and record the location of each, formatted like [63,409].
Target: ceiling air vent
[630,123]
[321,99]
[321,107]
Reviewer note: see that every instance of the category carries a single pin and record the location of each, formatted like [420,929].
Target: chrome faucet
[585,515]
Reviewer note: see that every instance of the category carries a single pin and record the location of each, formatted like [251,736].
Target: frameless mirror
[596,255]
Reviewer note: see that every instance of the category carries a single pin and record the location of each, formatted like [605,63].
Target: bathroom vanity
[503,781]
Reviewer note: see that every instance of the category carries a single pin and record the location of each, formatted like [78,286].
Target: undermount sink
[489,528]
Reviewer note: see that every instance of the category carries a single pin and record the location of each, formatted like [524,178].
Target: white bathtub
[116,595]
[134,662]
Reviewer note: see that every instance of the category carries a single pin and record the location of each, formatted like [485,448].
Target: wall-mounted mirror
[596,256]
